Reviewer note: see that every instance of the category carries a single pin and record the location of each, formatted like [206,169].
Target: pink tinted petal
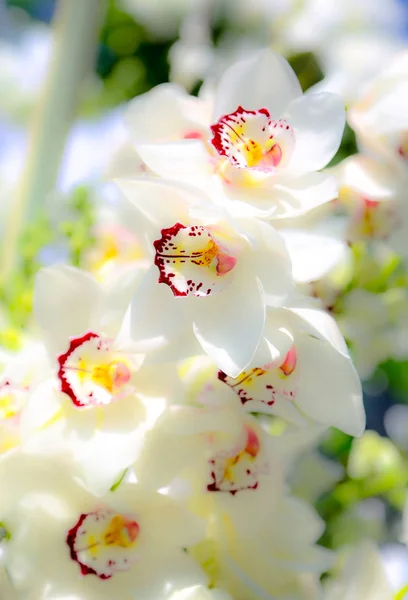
[289,364]
[226,263]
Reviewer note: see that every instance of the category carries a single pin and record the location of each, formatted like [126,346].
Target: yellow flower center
[256,155]
[205,256]
[8,406]
[250,452]
[110,376]
[121,532]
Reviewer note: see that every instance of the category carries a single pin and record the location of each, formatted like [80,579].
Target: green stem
[75,31]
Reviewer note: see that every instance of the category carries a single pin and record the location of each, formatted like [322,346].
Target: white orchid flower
[375,326]
[164,114]
[228,469]
[275,558]
[167,113]
[373,193]
[218,456]
[267,143]
[117,250]
[80,321]
[22,372]
[363,577]
[313,25]
[380,115]
[351,59]
[301,372]
[211,273]
[100,397]
[65,540]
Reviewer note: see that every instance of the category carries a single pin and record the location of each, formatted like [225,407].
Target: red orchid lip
[93,377]
[121,532]
[250,139]
[71,538]
[228,121]
[62,361]
[265,384]
[191,261]
[240,472]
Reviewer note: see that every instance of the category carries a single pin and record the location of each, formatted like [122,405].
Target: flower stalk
[75,30]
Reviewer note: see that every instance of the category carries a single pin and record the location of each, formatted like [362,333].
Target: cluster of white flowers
[148,426]
[351,40]
[380,172]
[372,191]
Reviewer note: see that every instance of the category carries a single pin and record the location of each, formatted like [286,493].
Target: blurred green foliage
[381,274]
[376,468]
[306,68]
[130,61]
[73,232]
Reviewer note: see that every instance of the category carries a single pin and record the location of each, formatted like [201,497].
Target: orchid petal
[265,81]
[67,302]
[230,326]
[318,323]
[297,196]
[184,160]
[271,263]
[330,389]
[318,121]
[158,200]
[156,315]
[164,113]
[312,255]
[276,341]
[363,576]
